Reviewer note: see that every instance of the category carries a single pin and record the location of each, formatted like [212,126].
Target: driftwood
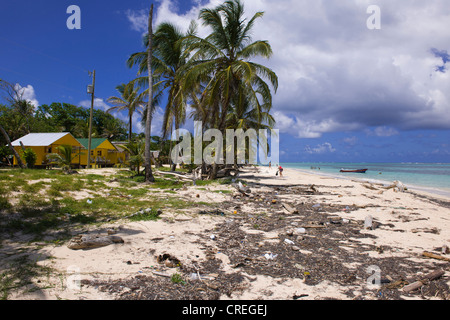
[418,284]
[290,209]
[176,174]
[92,241]
[434,256]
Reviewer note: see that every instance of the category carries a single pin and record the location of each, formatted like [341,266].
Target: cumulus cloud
[320,149]
[337,75]
[27,93]
[138,20]
[99,103]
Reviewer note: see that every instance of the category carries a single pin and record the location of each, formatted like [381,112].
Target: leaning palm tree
[130,99]
[223,62]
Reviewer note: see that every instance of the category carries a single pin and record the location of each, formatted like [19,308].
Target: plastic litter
[270,256]
[89,201]
[288,241]
[368,222]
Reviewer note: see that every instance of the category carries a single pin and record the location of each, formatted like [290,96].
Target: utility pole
[91,90]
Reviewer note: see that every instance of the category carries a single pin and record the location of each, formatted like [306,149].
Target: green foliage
[64,158]
[30,157]
[136,150]
[20,118]
[177,278]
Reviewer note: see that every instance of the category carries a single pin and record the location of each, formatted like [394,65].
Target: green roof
[95,142]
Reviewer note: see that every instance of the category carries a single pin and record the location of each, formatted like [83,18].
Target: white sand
[180,234]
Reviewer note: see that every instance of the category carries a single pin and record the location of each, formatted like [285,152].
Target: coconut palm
[136,149]
[169,57]
[64,157]
[223,62]
[130,99]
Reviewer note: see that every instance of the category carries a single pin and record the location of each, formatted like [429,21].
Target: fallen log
[290,209]
[92,241]
[434,256]
[178,175]
[418,284]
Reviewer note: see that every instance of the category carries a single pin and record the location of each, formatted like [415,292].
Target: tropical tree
[150,107]
[136,149]
[130,99]
[169,57]
[63,158]
[223,62]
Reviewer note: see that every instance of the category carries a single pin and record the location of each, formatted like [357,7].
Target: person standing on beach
[270,164]
[280,169]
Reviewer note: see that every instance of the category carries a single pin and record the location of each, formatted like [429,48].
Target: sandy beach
[299,236]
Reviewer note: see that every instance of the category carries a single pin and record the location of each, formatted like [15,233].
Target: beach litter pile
[286,233]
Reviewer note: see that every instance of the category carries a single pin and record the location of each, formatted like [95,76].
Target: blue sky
[346,93]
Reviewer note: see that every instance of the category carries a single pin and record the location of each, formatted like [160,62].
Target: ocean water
[431,177]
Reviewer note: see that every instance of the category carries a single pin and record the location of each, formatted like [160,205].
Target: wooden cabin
[46,143]
[103,153]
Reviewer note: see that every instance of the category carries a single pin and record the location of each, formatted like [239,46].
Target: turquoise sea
[431,177]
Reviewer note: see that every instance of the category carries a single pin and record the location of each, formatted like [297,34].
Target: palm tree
[136,150]
[130,99]
[150,107]
[222,62]
[169,57]
[64,157]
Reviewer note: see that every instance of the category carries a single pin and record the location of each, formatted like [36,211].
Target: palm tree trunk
[130,129]
[174,164]
[148,164]
[19,160]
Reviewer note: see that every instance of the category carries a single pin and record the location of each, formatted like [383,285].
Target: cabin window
[92,152]
[48,150]
[99,152]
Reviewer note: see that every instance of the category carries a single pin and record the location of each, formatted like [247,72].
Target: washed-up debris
[92,241]
[242,188]
[212,211]
[368,222]
[270,256]
[289,209]
[168,260]
[429,277]
[147,212]
[434,256]
[397,186]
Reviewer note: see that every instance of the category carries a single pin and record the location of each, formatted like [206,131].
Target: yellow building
[103,153]
[46,143]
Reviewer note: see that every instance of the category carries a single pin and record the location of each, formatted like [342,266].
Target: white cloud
[337,75]
[138,20]
[325,147]
[27,93]
[99,103]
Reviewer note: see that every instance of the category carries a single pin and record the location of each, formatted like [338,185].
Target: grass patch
[177,278]
[20,273]
[149,214]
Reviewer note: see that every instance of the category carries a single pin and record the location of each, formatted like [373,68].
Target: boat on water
[354,170]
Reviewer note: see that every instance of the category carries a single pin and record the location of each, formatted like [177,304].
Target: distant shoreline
[434,191]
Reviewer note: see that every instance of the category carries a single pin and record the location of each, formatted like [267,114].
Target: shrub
[30,157]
